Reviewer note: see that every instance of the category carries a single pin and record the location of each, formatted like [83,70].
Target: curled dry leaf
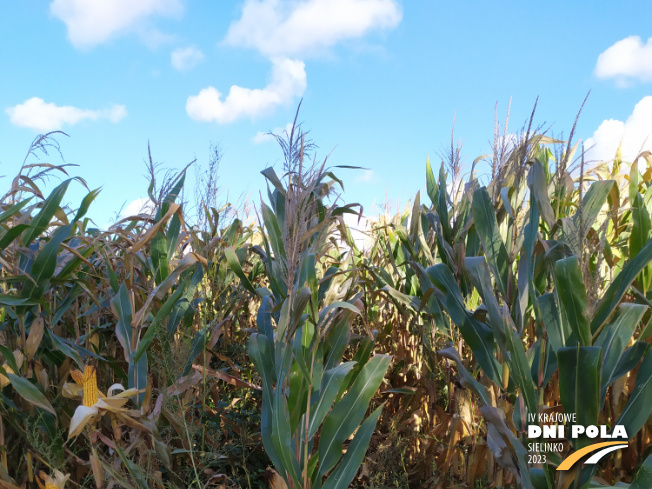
[19,358]
[34,338]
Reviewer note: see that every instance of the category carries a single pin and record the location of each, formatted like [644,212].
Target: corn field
[176,351]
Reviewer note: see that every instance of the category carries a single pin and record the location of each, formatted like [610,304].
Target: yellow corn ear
[90,386]
[77,376]
[46,481]
[40,479]
[4,380]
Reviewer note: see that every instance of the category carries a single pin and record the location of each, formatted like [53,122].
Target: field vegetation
[187,346]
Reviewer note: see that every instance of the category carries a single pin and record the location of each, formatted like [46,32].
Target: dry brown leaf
[229,379]
[34,338]
[98,473]
[274,479]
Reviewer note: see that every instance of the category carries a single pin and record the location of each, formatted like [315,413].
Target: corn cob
[45,481]
[88,381]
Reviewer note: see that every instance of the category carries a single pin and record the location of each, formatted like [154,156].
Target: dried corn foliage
[126,352]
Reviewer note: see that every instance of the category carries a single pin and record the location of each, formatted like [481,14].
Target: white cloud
[286,32]
[263,137]
[138,206]
[288,81]
[185,58]
[635,134]
[308,27]
[93,22]
[366,176]
[628,59]
[361,231]
[39,115]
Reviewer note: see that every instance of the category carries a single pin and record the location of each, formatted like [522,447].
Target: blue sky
[381,82]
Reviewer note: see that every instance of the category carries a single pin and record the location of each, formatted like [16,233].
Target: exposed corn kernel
[88,380]
[90,386]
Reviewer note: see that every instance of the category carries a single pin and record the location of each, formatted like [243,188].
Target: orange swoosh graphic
[570,461]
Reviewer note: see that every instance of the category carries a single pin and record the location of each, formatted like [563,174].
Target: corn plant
[544,295]
[312,400]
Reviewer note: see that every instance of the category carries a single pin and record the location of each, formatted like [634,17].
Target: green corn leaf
[630,359]
[74,263]
[525,281]
[11,234]
[14,209]
[486,226]
[466,379]
[270,175]
[442,207]
[113,278]
[171,197]
[536,180]
[262,354]
[61,345]
[12,301]
[45,265]
[337,339]
[617,288]
[615,337]
[640,235]
[86,203]
[196,347]
[323,399]
[30,393]
[153,328]
[121,306]
[49,207]
[282,435]
[520,370]
[159,253]
[592,203]
[571,292]
[579,384]
[297,394]
[361,357]
[137,474]
[184,305]
[137,376]
[509,342]
[343,475]
[273,232]
[9,357]
[234,264]
[172,234]
[476,334]
[639,405]
[308,276]
[643,477]
[552,321]
[504,196]
[349,411]
[432,188]
[481,278]
[264,319]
